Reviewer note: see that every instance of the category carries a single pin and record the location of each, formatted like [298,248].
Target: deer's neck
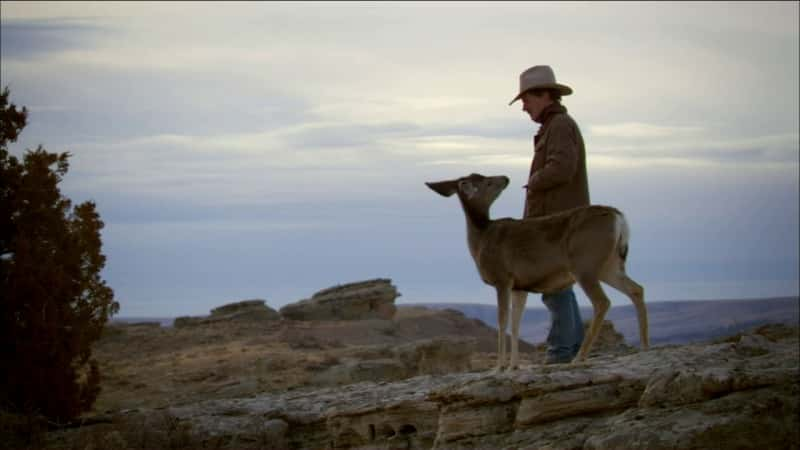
[477,223]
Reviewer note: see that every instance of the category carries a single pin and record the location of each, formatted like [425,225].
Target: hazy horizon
[530,305]
[271,150]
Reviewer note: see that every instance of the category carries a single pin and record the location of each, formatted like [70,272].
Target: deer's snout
[502,181]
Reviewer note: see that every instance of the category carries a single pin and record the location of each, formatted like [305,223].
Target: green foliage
[54,303]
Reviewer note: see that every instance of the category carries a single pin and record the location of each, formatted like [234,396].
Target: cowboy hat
[539,77]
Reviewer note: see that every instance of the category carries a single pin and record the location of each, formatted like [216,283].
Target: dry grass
[146,366]
[150,367]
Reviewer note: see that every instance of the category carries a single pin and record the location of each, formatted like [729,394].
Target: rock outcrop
[430,356]
[739,394]
[251,310]
[372,299]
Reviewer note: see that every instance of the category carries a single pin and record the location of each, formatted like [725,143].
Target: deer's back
[534,254]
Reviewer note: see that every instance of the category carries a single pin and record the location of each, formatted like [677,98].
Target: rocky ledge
[371,299]
[250,310]
[740,393]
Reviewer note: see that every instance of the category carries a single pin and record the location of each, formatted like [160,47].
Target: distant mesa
[251,310]
[363,300]
[249,306]
[371,299]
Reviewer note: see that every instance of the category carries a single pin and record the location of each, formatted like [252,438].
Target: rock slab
[371,299]
[254,310]
[738,394]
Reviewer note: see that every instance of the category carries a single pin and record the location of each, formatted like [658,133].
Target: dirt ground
[145,365]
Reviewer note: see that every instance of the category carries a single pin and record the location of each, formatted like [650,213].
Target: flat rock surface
[740,393]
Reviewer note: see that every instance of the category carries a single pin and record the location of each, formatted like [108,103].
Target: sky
[270,150]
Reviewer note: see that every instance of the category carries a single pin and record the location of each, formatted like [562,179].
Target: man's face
[534,105]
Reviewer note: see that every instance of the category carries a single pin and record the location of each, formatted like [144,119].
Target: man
[557,182]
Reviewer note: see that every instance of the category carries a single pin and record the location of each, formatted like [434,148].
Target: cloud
[641,130]
[33,39]
[335,161]
[500,160]
[641,142]
[352,135]
[309,129]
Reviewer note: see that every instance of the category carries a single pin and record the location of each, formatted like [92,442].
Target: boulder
[245,310]
[372,299]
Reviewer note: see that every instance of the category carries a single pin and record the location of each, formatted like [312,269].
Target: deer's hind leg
[600,304]
[621,282]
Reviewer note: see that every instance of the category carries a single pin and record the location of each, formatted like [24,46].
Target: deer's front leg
[518,300]
[503,299]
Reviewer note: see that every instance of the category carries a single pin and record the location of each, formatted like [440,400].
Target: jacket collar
[548,113]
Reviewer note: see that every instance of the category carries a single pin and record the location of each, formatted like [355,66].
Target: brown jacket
[559,166]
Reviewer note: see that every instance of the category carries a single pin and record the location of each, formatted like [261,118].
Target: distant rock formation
[251,310]
[372,299]
[738,394]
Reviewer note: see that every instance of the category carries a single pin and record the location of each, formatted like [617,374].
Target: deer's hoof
[578,361]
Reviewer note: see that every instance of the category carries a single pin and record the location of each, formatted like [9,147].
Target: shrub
[54,303]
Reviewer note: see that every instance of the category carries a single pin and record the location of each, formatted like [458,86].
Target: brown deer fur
[546,254]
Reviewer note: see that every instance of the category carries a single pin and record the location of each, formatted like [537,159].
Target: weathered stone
[275,432]
[687,386]
[576,402]
[381,363]
[693,396]
[405,425]
[357,371]
[187,321]
[242,306]
[437,356]
[753,345]
[608,338]
[372,299]
[459,422]
[246,310]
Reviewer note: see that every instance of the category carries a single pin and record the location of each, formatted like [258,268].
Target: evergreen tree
[53,303]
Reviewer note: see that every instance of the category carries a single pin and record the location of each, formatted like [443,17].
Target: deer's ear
[443,188]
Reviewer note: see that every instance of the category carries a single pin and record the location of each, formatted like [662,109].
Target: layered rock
[430,356]
[608,338]
[741,394]
[437,356]
[253,310]
[372,299]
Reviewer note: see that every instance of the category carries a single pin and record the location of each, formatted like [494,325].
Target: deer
[587,245]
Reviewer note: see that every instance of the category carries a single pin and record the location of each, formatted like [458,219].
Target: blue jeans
[566,327]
